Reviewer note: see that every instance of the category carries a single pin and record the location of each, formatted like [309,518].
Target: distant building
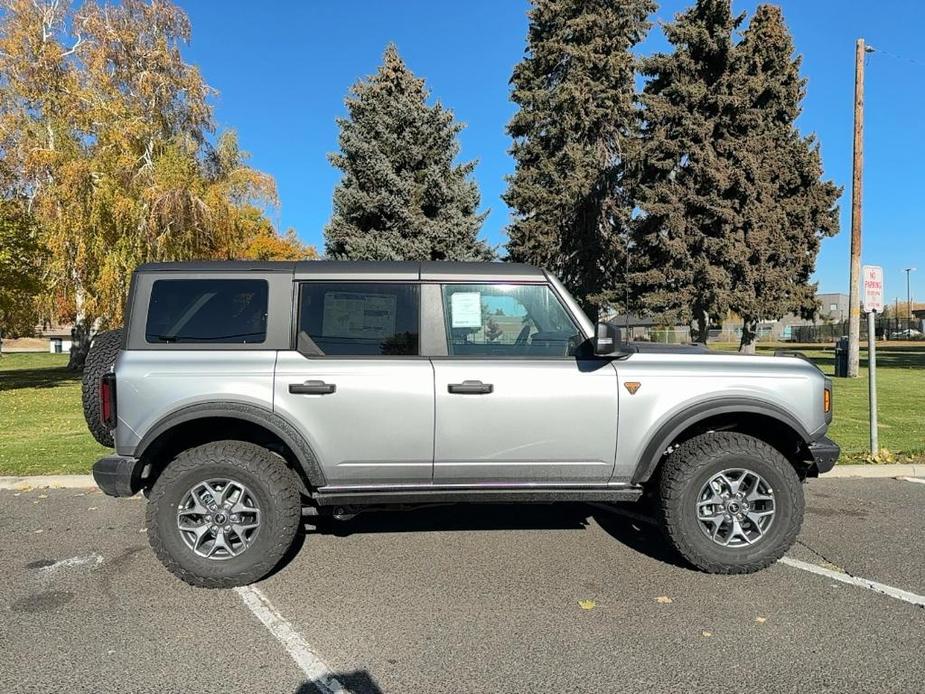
[56,339]
[833,308]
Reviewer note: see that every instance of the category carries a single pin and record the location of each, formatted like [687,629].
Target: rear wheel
[730,503]
[102,355]
[223,514]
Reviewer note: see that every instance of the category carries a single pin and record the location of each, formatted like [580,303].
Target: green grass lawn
[42,429]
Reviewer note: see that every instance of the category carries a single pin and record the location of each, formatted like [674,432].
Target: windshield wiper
[169,339]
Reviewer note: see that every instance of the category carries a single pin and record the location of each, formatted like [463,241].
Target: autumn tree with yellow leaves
[108,156]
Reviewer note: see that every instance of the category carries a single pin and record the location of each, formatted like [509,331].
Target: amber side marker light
[826,400]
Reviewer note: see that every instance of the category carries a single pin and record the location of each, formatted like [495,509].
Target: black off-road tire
[275,488]
[102,355]
[687,470]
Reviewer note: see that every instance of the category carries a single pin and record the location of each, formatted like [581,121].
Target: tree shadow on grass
[898,357]
[888,356]
[16,379]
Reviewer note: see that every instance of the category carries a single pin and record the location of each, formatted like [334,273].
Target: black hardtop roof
[360,269]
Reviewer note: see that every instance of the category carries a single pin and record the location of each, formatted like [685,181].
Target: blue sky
[283,69]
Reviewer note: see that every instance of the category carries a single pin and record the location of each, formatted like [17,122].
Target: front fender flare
[669,430]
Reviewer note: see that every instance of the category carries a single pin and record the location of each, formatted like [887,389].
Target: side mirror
[607,340]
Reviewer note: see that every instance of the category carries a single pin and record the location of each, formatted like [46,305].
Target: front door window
[507,320]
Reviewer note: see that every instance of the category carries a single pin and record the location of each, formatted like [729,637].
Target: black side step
[484,496]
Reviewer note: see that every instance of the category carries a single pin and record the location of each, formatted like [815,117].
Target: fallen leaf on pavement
[587,604]
[761,620]
[663,600]
[706,633]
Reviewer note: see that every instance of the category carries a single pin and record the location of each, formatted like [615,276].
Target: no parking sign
[872,278]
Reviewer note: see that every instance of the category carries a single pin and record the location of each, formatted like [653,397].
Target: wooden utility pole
[854,298]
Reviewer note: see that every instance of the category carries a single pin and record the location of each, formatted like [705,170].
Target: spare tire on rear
[104,348]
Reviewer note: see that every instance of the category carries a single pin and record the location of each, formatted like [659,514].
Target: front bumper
[118,475]
[825,454]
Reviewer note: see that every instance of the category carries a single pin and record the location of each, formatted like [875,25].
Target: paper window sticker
[466,310]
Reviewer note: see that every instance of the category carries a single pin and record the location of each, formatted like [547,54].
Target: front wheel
[223,514]
[730,503]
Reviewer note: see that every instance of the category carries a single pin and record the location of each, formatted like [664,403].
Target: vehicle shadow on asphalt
[463,517]
[621,521]
[356,682]
[643,537]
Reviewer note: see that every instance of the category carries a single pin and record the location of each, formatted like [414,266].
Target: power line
[894,56]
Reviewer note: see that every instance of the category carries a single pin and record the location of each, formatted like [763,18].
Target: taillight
[108,400]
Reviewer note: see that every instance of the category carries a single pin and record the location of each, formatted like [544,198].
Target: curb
[895,470]
[22,484]
[86,481]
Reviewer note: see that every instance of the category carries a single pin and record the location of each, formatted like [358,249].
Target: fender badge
[632,386]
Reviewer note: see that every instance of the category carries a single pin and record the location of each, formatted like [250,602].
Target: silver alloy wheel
[735,507]
[218,518]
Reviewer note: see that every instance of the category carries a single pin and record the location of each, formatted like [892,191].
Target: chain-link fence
[886,329]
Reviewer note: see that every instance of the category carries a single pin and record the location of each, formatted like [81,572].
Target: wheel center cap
[733,507]
[219,518]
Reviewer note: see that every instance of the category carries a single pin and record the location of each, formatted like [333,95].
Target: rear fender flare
[262,417]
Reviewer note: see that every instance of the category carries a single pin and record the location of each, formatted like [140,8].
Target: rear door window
[207,311]
[358,319]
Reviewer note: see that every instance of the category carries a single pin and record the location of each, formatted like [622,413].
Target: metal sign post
[873,304]
[872,379]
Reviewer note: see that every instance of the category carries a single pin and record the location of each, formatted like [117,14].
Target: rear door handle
[312,388]
[470,388]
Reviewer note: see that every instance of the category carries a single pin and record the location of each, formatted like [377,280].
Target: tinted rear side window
[358,319]
[210,311]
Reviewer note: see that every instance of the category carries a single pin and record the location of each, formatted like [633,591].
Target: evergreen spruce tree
[787,208]
[733,204]
[574,132]
[680,239]
[401,196]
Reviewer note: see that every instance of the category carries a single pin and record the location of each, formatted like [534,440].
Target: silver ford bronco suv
[242,396]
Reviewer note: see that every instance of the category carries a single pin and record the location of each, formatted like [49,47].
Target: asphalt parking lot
[462,599]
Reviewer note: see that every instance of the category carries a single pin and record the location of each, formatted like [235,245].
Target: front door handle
[470,388]
[312,388]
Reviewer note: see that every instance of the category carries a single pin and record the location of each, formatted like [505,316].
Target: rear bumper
[118,475]
[825,454]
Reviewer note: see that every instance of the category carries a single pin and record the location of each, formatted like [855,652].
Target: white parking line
[920,480]
[892,592]
[310,663]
